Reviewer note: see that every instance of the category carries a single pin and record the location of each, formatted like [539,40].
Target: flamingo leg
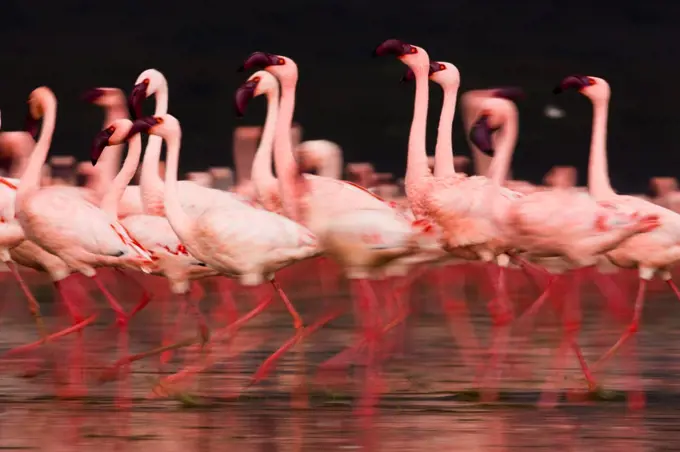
[33,305]
[501,312]
[369,305]
[632,328]
[459,320]
[146,296]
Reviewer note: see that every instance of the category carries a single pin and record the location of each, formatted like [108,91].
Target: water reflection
[56,427]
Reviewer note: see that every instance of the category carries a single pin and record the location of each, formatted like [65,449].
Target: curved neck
[30,180]
[178,219]
[109,163]
[416,164]
[443,154]
[262,174]
[150,182]
[598,173]
[286,166]
[505,147]
[111,199]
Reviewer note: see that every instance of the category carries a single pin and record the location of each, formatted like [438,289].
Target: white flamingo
[652,253]
[62,222]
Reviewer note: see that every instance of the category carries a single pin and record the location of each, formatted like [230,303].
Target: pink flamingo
[65,224]
[362,232]
[250,244]
[470,211]
[114,103]
[542,227]
[156,234]
[193,197]
[652,253]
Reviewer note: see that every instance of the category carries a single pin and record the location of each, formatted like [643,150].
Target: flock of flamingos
[184,231]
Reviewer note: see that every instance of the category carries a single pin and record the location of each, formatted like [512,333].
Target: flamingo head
[104,97]
[414,57]
[161,125]
[512,93]
[282,67]
[116,133]
[441,72]
[591,87]
[37,101]
[261,82]
[146,85]
[481,132]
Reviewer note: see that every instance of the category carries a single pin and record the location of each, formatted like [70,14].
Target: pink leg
[372,334]
[229,332]
[33,305]
[146,296]
[501,312]
[632,329]
[459,321]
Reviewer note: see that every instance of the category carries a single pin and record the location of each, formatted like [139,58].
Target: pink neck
[598,173]
[443,154]
[150,181]
[30,180]
[505,147]
[262,174]
[416,164]
[111,199]
[109,163]
[179,220]
[286,166]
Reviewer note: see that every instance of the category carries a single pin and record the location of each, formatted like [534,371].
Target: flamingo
[114,103]
[470,211]
[152,232]
[250,244]
[194,198]
[559,223]
[652,253]
[65,224]
[362,232]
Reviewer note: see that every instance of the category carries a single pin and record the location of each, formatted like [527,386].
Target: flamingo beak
[480,135]
[92,95]
[243,95]
[136,99]
[141,125]
[577,82]
[259,60]
[100,142]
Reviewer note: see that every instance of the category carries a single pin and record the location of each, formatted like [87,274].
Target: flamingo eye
[413,50]
[146,81]
[591,81]
[281,61]
[111,129]
[159,120]
[442,67]
[255,79]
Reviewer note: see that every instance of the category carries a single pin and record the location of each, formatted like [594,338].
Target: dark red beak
[136,99]
[100,142]
[243,95]
[92,95]
[481,133]
[142,125]
[259,60]
[512,93]
[393,47]
[576,82]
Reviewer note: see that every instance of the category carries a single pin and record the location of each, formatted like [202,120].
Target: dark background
[346,96]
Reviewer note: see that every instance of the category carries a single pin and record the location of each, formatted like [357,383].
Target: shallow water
[426,405]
